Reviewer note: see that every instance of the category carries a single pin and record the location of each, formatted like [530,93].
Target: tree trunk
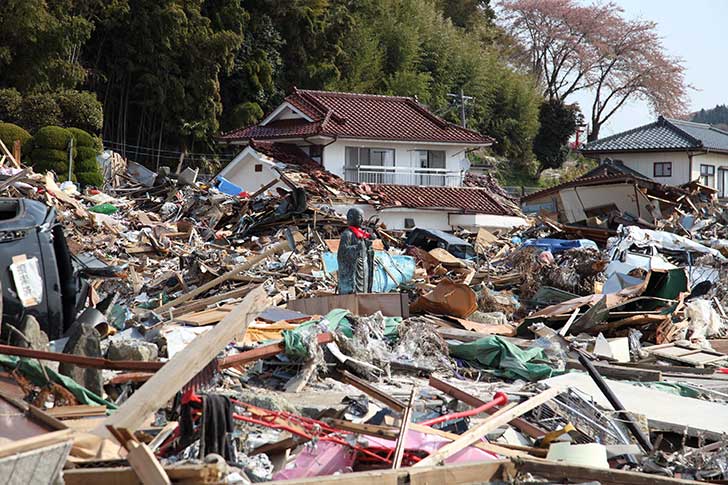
[594,133]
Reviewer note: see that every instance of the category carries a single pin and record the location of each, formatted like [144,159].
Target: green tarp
[31,369]
[504,358]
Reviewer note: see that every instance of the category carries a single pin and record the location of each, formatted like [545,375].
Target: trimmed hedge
[80,108]
[87,153]
[10,132]
[85,164]
[49,154]
[39,110]
[91,178]
[85,139]
[52,137]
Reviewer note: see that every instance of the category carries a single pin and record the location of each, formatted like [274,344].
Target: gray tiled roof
[664,134]
[712,138]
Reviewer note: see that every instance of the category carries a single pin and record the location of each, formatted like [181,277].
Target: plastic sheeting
[505,358]
[629,236]
[390,271]
[31,369]
[335,321]
[556,246]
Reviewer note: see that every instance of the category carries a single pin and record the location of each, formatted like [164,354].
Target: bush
[10,132]
[87,153]
[81,109]
[94,178]
[85,164]
[52,137]
[10,102]
[85,139]
[39,110]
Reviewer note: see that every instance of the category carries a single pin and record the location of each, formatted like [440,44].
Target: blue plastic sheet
[399,269]
[227,187]
[559,245]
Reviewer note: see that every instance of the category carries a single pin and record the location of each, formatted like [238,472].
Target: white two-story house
[670,151]
[392,144]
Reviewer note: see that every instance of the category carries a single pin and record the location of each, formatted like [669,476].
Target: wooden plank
[125,475]
[163,434]
[64,412]
[563,473]
[460,473]
[616,372]
[210,300]
[388,432]
[349,378]
[402,435]
[185,365]
[35,442]
[146,466]
[265,352]
[80,360]
[503,416]
[490,447]
[522,425]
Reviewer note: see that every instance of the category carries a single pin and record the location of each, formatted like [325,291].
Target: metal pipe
[499,399]
[642,438]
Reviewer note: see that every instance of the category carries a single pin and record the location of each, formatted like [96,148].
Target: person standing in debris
[355,256]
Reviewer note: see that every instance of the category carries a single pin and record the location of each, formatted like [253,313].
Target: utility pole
[70,159]
[461,99]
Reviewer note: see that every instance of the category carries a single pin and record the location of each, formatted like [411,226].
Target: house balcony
[377,174]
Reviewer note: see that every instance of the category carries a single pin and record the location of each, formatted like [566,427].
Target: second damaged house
[388,155]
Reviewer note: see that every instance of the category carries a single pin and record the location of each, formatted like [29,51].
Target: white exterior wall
[432,219]
[644,164]
[241,172]
[718,160]
[575,200]
[334,157]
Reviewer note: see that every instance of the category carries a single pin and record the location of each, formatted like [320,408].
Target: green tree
[10,103]
[81,109]
[40,43]
[410,48]
[163,61]
[558,122]
[39,109]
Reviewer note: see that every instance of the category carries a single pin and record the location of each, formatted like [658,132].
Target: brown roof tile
[363,116]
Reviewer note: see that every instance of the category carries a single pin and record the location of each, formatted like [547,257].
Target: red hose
[498,400]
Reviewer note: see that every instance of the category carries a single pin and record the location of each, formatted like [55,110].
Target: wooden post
[16,152]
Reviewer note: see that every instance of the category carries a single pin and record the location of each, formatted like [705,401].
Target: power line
[154,151]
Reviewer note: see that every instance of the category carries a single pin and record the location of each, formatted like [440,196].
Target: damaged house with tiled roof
[670,151]
[406,165]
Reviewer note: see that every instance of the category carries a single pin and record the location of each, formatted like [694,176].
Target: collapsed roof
[482,196]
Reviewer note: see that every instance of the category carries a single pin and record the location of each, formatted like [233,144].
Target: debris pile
[196,336]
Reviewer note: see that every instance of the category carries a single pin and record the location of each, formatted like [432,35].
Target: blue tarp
[401,268]
[227,187]
[559,245]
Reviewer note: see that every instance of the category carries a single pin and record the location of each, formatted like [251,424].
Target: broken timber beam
[80,360]
[266,351]
[184,366]
[563,473]
[349,378]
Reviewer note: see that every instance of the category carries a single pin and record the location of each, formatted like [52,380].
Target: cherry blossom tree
[572,46]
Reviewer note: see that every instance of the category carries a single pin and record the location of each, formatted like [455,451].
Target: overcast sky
[694,30]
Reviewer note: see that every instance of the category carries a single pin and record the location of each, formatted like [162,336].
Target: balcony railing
[376,174]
